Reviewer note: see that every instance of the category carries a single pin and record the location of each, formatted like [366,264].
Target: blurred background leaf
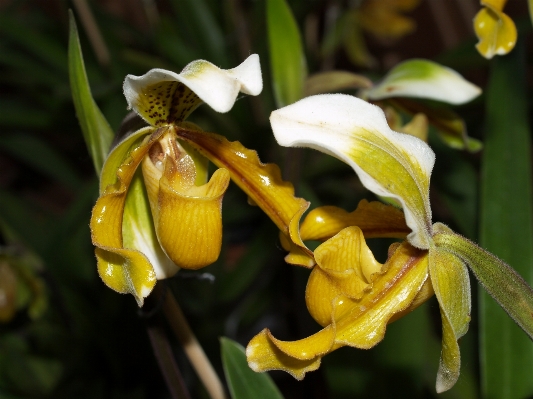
[506,224]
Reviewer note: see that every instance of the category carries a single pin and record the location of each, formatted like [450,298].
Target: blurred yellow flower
[495,30]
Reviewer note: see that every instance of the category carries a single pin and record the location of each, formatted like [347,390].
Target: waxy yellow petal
[495,30]
[263,354]
[345,266]
[163,97]
[359,323]
[388,163]
[261,182]
[188,218]
[374,218]
[123,269]
[364,321]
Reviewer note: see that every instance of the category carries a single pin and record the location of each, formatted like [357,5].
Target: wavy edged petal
[188,218]
[345,269]
[364,324]
[264,352]
[123,269]
[424,79]
[261,182]
[388,163]
[163,97]
[495,30]
[374,218]
[451,283]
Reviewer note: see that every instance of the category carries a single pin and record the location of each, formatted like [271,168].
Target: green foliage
[287,58]
[506,223]
[96,130]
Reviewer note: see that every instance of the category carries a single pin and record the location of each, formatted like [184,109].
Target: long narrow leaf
[242,381]
[287,58]
[96,130]
[506,225]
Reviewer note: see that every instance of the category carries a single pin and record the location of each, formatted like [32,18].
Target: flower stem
[165,360]
[190,344]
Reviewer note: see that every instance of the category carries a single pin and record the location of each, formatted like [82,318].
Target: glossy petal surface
[126,270]
[374,218]
[388,163]
[188,218]
[360,323]
[261,182]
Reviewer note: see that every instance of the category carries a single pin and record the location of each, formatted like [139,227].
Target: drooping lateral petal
[123,269]
[388,163]
[163,97]
[362,323]
[359,323]
[263,353]
[451,283]
[188,218]
[495,30]
[374,218]
[261,182]
[424,79]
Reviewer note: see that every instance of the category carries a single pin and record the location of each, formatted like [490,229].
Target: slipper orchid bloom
[157,211]
[495,30]
[350,294]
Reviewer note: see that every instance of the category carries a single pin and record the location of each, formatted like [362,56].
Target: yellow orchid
[350,294]
[147,224]
[495,30]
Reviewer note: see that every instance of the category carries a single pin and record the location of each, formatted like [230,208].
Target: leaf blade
[96,130]
[287,58]
[506,197]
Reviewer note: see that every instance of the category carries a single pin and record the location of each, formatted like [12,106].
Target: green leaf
[287,58]
[96,130]
[243,382]
[506,223]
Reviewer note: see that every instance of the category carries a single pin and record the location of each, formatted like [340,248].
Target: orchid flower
[349,293]
[149,223]
[495,30]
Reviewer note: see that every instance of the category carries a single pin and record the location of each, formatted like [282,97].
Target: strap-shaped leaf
[287,59]
[96,130]
[506,220]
